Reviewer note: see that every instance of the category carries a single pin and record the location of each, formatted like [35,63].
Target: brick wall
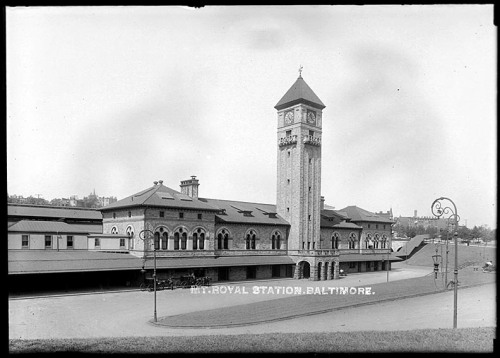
[237,235]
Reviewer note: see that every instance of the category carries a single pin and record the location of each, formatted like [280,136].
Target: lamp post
[387,267]
[146,235]
[456,218]
[438,209]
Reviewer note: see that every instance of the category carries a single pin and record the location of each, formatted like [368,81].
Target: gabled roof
[345,225]
[38,226]
[335,219]
[160,196]
[27,211]
[357,215]
[244,212]
[300,92]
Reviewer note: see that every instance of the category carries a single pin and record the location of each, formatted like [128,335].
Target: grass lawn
[477,254]
[430,340]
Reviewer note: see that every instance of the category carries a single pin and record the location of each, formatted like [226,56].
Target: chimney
[322,204]
[190,187]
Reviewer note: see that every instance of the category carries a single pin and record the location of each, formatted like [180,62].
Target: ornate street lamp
[146,235]
[437,260]
[439,209]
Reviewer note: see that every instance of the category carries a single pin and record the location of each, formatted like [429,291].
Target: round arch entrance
[306,269]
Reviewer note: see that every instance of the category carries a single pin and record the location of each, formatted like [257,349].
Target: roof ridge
[239,201]
[155,189]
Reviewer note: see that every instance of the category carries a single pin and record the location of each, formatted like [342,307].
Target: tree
[475,233]
[91,201]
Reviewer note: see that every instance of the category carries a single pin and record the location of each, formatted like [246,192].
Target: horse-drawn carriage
[175,282]
[191,280]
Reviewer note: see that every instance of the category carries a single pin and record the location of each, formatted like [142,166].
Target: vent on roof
[184,197]
[271,215]
[241,211]
[222,212]
[165,196]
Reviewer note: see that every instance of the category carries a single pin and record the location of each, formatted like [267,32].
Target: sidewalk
[318,301]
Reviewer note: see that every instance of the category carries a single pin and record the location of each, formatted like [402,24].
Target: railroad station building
[298,236]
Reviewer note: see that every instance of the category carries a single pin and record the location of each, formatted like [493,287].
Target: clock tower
[299,165]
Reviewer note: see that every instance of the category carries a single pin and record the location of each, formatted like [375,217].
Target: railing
[320,252]
[309,139]
[250,252]
[215,253]
[291,139]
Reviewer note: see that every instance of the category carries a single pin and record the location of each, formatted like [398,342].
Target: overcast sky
[114,98]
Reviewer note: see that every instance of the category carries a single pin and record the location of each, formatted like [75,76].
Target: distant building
[425,221]
[105,201]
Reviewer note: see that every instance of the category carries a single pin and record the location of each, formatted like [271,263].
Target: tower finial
[300,71]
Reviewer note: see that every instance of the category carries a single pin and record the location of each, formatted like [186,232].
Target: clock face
[311,117]
[289,117]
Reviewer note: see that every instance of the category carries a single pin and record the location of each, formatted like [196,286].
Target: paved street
[121,314]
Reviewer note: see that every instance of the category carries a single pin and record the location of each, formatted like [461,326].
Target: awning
[368,257]
[172,263]
[51,261]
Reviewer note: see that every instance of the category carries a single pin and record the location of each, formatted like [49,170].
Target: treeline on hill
[91,201]
[464,233]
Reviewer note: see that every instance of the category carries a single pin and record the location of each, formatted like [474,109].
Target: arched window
[250,240]
[376,239]
[223,239]
[114,230]
[130,234]
[164,240]
[335,240]
[368,241]
[157,240]
[176,241]
[180,237]
[276,240]
[195,241]
[384,241]
[352,240]
[199,239]
[202,241]
[183,241]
